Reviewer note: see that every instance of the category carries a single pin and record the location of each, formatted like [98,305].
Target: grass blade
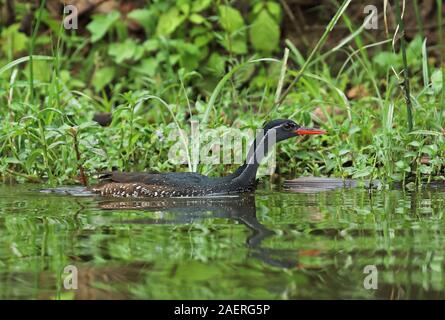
[406,76]
[18,61]
[425,73]
[317,47]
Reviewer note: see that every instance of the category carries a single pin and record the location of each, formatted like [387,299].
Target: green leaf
[189,55]
[203,39]
[199,5]
[196,18]
[257,8]
[148,66]
[415,144]
[397,177]
[101,24]
[99,152]
[436,81]
[151,45]
[275,10]
[362,173]
[402,165]
[169,21]
[142,16]
[265,33]
[55,144]
[216,64]
[122,51]
[87,124]
[13,40]
[414,51]
[426,133]
[184,6]
[102,77]
[235,43]
[425,169]
[230,18]
[13,160]
[40,70]
[173,59]
[386,59]
[32,158]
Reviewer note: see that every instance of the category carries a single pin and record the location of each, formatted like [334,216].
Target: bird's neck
[262,144]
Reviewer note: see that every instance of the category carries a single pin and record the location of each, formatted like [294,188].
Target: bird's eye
[289,126]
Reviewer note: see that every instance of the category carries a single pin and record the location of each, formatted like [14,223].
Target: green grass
[73,75]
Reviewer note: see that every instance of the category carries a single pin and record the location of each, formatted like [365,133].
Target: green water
[274,245]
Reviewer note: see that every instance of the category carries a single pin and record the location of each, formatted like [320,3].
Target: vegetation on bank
[223,66]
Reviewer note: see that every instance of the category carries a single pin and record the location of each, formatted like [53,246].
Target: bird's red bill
[306,131]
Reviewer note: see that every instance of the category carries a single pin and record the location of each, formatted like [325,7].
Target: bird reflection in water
[240,208]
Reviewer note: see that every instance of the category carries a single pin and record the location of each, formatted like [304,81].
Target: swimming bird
[189,184]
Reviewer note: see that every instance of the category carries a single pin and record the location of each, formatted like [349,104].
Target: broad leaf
[235,43]
[436,80]
[123,51]
[230,18]
[265,33]
[148,66]
[169,21]
[199,5]
[101,24]
[102,77]
[13,40]
[142,16]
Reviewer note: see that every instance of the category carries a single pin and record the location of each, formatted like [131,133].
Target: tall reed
[442,56]
[31,49]
[406,75]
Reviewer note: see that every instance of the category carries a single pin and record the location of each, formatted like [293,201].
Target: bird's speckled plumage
[183,184]
[133,184]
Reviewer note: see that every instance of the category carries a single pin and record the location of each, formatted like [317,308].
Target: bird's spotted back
[139,190]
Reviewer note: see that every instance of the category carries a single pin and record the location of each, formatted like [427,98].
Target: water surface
[271,245]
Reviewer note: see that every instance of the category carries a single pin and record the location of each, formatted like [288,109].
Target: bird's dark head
[285,129]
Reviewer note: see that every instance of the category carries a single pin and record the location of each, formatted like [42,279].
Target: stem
[45,149]
[441,48]
[31,49]
[406,85]
[130,137]
[282,75]
[83,177]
